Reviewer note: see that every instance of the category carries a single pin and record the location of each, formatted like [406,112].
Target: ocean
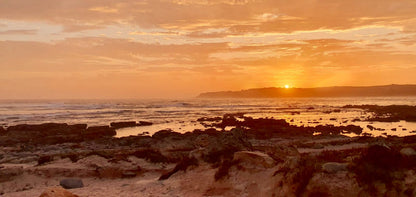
[181,115]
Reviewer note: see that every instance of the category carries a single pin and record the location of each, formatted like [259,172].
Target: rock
[394,129]
[47,133]
[118,125]
[333,167]
[331,129]
[99,131]
[2,131]
[57,192]
[370,127]
[254,158]
[202,140]
[71,183]
[44,159]
[46,129]
[144,123]
[162,134]
[408,152]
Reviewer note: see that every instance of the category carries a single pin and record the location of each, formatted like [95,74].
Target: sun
[287,86]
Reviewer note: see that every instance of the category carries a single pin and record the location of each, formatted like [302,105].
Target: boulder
[57,192]
[254,158]
[408,152]
[118,125]
[71,183]
[333,167]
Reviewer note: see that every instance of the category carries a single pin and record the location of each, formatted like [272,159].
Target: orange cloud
[107,49]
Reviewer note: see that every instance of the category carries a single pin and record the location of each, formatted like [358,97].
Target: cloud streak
[144,48]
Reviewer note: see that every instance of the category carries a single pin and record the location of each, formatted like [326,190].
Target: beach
[234,154]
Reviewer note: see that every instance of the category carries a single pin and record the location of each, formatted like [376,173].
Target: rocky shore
[257,157]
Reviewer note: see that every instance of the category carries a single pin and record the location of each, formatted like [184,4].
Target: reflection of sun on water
[287,86]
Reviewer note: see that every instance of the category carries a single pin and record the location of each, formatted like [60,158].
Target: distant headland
[336,91]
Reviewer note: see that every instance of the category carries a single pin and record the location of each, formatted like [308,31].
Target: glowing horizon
[180,48]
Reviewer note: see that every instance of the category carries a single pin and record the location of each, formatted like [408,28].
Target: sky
[179,48]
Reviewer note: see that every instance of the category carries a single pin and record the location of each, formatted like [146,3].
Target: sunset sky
[180,48]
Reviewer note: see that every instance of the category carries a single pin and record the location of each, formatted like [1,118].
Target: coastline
[208,162]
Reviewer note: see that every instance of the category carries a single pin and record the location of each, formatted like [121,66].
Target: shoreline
[233,162]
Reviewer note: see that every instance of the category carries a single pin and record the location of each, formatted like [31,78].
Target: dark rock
[210,131]
[46,129]
[144,123]
[44,159]
[119,125]
[391,113]
[381,164]
[370,127]
[394,129]
[181,166]
[151,155]
[71,183]
[99,131]
[165,133]
[335,130]
[47,133]
[2,131]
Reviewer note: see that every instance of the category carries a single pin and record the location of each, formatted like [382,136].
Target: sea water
[181,115]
